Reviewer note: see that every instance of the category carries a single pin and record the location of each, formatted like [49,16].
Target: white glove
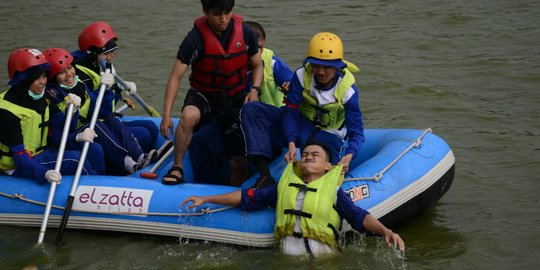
[73,99]
[53,176]
[132,87]
[87,135]
[107,79]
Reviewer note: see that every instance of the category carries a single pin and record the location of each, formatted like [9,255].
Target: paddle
[149,109]
[151,173]
[84,152]
[57,167]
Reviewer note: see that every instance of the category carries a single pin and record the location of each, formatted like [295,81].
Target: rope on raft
[201,212]
[377,177]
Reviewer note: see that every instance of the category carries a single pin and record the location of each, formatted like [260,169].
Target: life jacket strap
[297,213]
[302,187]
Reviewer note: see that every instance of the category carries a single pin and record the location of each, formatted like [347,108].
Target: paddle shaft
[57,167]
[162,160]
[80,166]
[149,109]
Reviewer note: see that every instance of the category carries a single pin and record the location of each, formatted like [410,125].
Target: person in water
[308,208]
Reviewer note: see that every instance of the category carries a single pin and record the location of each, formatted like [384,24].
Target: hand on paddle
[107,79]
[73,99]
[87,135]
[53,176]
[131,88]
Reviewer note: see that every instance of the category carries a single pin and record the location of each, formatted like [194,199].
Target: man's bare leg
[182,137]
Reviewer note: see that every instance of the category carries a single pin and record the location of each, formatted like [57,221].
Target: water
[468,69]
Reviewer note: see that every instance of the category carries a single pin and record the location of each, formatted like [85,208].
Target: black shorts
[225,111]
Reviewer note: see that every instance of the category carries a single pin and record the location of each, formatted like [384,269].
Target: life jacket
[34,128]
[96,79]
[270,92]
[331,115]
[318,217]
[83,110]
[219,70]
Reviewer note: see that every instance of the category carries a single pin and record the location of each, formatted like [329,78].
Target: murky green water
[468,69]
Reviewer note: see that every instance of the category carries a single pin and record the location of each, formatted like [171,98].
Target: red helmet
[59,59]
[97,34]
[24,58]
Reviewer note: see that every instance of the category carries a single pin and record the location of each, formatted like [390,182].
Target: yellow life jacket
[83,110]
[270,92]
[318,218]
[331,115]
[96,80]
[34,131]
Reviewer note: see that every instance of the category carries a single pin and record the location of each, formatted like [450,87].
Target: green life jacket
[331,115]
[34,128]
[270,92]
[318,218]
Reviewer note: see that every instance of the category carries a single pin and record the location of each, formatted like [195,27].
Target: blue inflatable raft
[397,174]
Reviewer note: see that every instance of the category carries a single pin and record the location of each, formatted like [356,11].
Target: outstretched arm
[374,225]
[232,198]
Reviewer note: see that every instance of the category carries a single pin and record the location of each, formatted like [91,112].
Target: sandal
[173,179]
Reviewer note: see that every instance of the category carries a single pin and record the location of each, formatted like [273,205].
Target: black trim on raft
[420,202]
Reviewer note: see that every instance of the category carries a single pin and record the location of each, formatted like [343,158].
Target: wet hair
[217,5]
[257,28]
[324,146]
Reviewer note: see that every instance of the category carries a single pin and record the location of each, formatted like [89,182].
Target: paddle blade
[65,217]
[149,175]
[152,112]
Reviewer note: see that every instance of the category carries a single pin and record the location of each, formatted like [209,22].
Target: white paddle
[57,167]
[84,152]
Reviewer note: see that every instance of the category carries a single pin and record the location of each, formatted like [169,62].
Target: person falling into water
[308,208]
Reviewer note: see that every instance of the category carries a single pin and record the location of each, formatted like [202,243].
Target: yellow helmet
[325,46]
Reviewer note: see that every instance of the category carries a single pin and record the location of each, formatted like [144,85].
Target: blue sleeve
[354,123]
[56,127]
[26,165]
[282,72]
[106,108]
[350,211]
[256,199]
[292,114]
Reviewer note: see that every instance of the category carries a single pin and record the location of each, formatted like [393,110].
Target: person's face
[218,20]
[38,86]
[108,56]
[324,74]
[67,76]
[314,160]
[261,42]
